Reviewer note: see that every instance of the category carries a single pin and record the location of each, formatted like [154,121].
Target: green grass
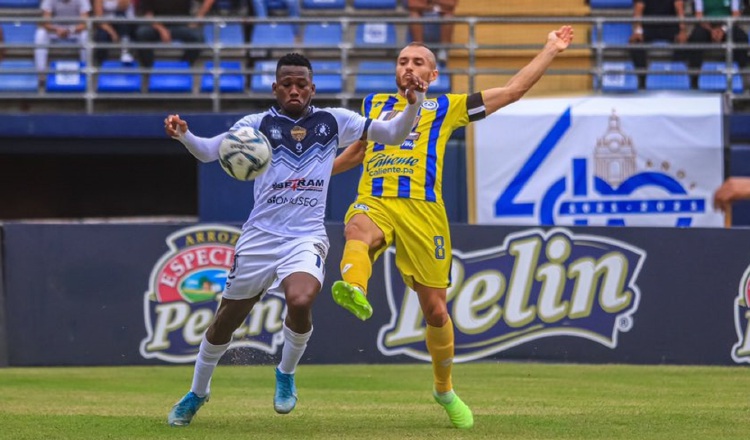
[510,401]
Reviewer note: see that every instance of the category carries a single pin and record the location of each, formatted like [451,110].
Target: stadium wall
[139,294]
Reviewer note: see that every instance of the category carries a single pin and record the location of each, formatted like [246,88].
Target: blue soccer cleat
[285,398]
[183,411]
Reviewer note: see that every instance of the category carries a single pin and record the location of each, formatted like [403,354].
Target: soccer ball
[245,153]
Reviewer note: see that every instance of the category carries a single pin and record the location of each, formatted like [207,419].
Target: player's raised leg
[362,237]
[300,289]
[440,344]
[215,343]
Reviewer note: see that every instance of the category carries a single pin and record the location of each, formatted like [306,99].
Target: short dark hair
[294,59]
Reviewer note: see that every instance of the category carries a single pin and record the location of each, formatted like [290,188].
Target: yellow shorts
[420,232]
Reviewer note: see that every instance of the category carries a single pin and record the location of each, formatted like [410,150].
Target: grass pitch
[509,400]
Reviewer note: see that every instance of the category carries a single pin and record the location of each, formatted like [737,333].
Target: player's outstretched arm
[204,149]
[350,157]
[395,131]
[732,190]
[497,98]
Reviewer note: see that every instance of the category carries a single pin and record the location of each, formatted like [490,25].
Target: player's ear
[273,88]
[312,93]
[434,75]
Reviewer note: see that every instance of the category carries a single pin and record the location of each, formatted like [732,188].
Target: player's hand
[561,38]
[413,84]
[733,189]
[174,126]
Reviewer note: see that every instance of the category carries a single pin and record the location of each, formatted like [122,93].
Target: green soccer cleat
[352,299]
[457,410]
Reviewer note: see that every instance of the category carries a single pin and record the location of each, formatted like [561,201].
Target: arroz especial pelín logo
[535,285]
[184,291]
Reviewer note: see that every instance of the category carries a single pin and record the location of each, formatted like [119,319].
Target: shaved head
[427,52]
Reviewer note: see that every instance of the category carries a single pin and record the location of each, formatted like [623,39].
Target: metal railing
[346,50]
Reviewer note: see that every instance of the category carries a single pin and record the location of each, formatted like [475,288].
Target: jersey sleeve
[351,125]
[249,121]
[466,108]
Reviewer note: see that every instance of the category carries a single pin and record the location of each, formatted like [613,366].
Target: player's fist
[174,126]
[414,83]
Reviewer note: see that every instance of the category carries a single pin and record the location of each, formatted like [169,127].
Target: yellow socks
[440,345]
[356,266]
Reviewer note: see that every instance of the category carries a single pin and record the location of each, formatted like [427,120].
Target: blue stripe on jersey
[404,186]
[367,105]
[367,127]
[388,106]
[431,165]
[377,186]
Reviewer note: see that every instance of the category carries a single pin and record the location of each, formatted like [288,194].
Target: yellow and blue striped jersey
[414,169]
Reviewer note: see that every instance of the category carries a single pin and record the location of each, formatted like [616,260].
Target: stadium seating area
[345,37]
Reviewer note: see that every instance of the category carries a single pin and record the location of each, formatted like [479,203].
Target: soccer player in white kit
[283,243]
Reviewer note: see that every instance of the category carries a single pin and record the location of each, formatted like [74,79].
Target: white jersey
[60,8]
[290,197]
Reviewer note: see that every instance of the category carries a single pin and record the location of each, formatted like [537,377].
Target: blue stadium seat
[618,81]
[717,82]
[613,33]
[261,82]
[375,82]
[322,34]
[228,82]
[170,82]
[611,4]
[375,4]
[66,76]
[13,81]
[677,79]
[375,35]
[118,82]
[19,4]
[18,33]
[327,82]
[275,4]
[324,4]
[230,34]
[273,34]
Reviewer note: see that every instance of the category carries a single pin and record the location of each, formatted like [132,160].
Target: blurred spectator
[649,32]
[49,32]
[292,7]
[443,8]
[187,33]
[2,41]
[113,32]
[715,31]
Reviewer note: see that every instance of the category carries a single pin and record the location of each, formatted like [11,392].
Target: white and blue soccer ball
[245,153]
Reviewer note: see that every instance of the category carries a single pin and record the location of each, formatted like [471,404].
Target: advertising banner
[600,161]
[145,294]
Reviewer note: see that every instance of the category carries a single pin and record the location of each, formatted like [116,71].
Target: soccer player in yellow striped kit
[399,201]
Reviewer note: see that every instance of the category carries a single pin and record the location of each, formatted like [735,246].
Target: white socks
[294,348]
[208,358]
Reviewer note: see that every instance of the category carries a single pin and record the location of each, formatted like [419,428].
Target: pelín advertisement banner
[127,294]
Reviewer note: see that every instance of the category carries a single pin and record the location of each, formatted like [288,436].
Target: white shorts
[263,260]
